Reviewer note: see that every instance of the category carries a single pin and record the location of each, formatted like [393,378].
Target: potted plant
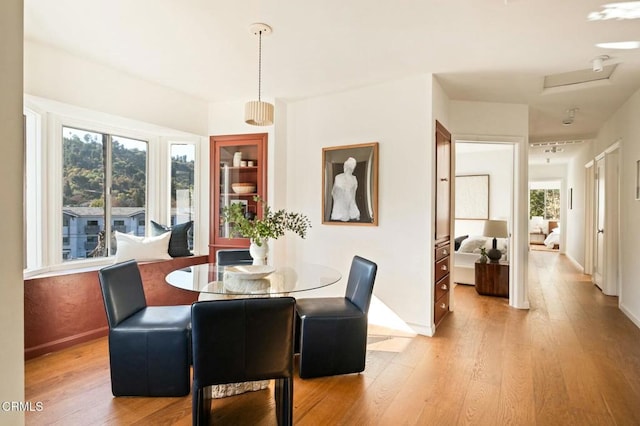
[483,255]
[272,224]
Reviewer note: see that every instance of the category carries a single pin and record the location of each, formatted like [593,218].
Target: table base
[222,391]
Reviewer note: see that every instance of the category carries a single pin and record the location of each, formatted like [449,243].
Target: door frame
[519,244]
[611,274]
[589,219]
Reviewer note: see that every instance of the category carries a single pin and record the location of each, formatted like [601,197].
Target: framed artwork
[472,197]
[350,184]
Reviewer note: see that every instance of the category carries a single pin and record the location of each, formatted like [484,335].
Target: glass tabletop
[253,280]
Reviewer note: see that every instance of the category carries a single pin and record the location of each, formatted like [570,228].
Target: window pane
[128,186]
[552,204]
[536,202]
[182,179]
[83,172]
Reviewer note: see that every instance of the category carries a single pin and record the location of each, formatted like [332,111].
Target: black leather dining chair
[243,340]
[331,332]
[149,346]
[226,257]
[229,257]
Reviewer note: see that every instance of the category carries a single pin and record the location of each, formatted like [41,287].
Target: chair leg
[284,401]
[201,407]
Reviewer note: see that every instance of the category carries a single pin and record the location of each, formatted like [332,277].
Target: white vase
[259,253]
[237,158]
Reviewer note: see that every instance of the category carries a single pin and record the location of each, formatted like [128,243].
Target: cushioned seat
[332,331]
[243,340]
[149,346]
[233,257]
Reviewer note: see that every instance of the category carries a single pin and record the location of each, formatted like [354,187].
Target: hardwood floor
[572,359]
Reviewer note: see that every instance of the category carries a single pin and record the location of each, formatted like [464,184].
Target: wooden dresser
[442,279]
[442,257]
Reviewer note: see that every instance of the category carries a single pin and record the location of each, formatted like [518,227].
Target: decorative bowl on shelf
[243,187]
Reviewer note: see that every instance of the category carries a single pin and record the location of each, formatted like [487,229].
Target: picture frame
[350,197]
[472,197]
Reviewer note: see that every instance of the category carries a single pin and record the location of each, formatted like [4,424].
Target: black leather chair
[149,346]
[243,340]
[332,331]
[233,257]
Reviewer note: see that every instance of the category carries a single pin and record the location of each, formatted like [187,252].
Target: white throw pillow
[472,245]
[141,248]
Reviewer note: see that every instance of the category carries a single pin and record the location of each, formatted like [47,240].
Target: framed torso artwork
[350,184]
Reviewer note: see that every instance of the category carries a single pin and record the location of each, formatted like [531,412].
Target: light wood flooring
[572,359]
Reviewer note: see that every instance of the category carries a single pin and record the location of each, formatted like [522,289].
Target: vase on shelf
[237,158]
[259,252]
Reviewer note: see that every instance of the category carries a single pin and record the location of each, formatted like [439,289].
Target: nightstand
[492,278]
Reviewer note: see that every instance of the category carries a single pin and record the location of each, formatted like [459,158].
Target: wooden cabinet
[442,225]
[234,160]
[492,278]
[442,282]
[443,184]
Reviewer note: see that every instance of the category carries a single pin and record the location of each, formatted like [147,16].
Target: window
[544,203]
[96,164]
[182,180]
[88,175]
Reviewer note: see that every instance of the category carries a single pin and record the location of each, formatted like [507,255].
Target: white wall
[398,115]
[543,172]
[55,74]
[498,164]
[487,121]
[575,217]
[624,125]
[11,174]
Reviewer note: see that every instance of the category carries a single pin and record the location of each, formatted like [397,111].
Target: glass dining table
[253,280]
[215,282]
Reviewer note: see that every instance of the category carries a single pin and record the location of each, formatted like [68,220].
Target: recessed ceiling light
[620,45]
[622,10]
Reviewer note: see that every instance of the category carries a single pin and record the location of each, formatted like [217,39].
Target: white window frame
[44,211]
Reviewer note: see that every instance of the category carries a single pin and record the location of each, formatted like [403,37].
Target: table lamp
[495,229]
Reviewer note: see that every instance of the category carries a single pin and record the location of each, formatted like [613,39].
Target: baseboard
[631,316]
[421,329]
[65,342]
[575,262]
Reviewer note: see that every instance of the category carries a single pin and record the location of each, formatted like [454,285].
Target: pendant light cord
[259,64]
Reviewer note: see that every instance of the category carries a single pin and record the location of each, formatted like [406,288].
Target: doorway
[545,214]
[483,189]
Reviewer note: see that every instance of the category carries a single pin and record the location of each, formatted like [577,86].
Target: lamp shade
[495,229]
[258,113]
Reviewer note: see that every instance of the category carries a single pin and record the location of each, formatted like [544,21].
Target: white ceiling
[480,50]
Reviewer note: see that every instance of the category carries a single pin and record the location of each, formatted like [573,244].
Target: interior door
[598,262]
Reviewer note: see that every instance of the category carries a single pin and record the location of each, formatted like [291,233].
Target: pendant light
[258,113]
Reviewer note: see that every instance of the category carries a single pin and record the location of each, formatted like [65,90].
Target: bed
[553,238]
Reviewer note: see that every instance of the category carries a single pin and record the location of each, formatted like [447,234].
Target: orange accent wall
[64,310]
